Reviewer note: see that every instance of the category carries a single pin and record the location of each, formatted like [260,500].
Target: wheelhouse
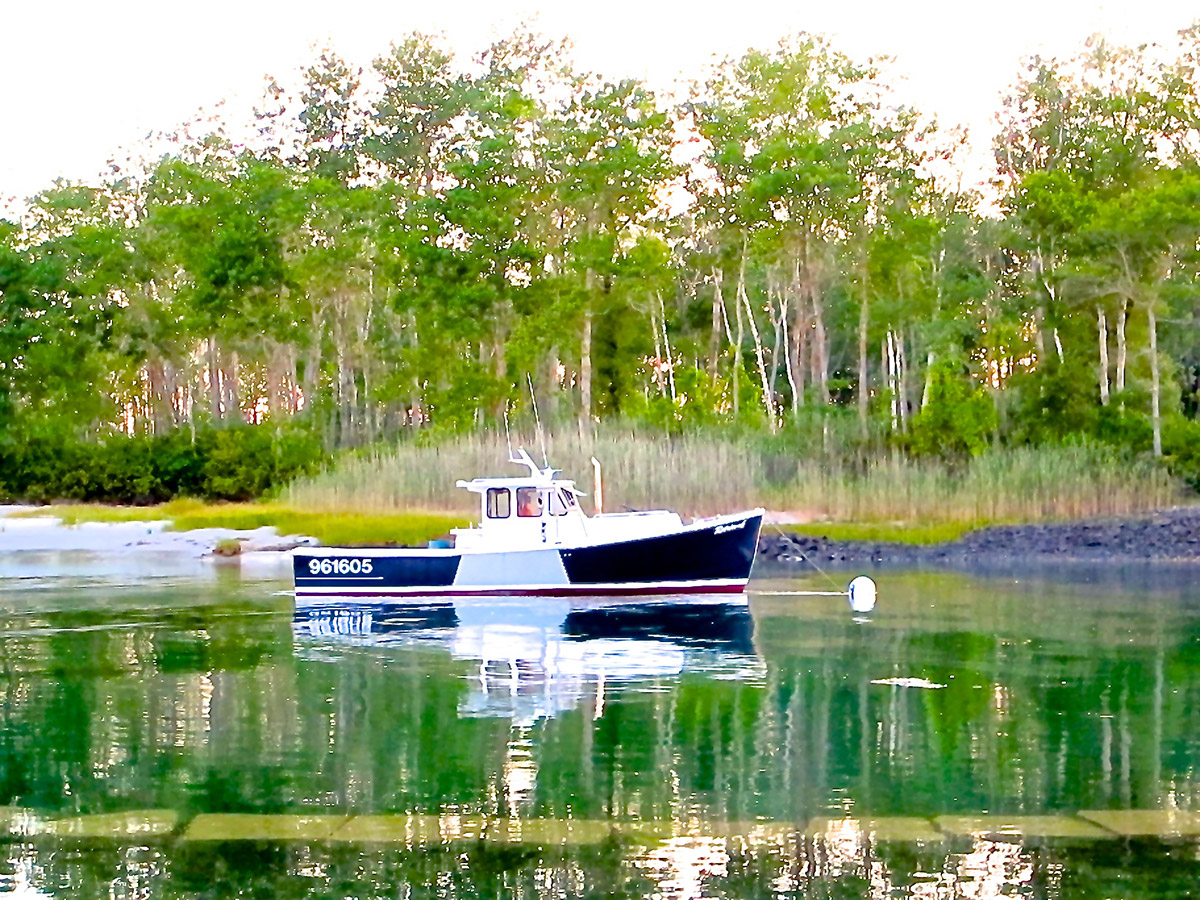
[538,508]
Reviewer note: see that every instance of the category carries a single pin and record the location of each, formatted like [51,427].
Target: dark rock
[1166,535]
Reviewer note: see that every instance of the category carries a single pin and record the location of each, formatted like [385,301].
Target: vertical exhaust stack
[597,487]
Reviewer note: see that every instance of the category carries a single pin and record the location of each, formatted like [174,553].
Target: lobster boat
[534,538]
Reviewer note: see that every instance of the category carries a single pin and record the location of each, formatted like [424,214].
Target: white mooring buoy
[862,594]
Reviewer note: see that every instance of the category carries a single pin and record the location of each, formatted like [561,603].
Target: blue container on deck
[439,545]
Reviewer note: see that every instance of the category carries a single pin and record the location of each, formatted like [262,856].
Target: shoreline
[1169,536]
[1166,536]
[49,534]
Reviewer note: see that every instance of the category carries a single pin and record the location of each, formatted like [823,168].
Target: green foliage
[1181,449]
[1054,402]
[243,463]
[238,463]
[1117,424]
[956,422]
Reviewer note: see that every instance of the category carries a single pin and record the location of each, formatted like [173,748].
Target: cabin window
[558,505]
[529,502]
[498,503]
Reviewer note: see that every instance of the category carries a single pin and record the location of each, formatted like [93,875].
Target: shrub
[958,420]
[231,464]
[1181,448]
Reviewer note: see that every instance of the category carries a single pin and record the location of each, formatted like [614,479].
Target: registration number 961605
[340,566]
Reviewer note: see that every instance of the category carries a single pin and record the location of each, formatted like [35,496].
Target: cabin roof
[535,478]
[479,485]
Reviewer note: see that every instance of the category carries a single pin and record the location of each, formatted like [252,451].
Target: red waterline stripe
[563,591]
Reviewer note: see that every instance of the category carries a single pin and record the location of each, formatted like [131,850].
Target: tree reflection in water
[529,749]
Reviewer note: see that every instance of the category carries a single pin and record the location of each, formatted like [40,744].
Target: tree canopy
[426,241]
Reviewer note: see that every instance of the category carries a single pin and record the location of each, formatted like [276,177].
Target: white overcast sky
[80,80]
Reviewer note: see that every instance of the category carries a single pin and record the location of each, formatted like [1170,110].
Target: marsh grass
[700,474]
[76,513]
[894,532]
[351,528]
[692,474]
[1012,485]
[405,493]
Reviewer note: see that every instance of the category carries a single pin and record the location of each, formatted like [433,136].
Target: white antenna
[538,421]
[507,436]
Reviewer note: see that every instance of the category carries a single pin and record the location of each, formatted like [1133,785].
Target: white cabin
[542,510]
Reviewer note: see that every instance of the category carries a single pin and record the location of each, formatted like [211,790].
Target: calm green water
[945,746]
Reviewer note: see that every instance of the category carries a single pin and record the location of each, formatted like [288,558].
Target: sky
[79,81]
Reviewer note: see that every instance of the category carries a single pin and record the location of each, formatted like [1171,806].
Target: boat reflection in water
[537,656]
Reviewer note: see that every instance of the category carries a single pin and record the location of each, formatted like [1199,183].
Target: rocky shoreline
[1167,536]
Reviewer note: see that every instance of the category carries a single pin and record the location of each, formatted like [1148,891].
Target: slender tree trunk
[818,366]
[927,394]
[787,350]
[777,322]
[803,342]
[312,365]
[370,410]
[344,378]
[171,404]
[353,421]
[887,367]
[744,300]
[1155,381]
[864,312]
[1122,348]
[666,338]
[585,354]
[799,337]
[1039,339]
[274,364]
[714,338]
[1102,330]
[160,398]
[292,397]
[820,346]
[214,379]
[888,353]
[659,372]
[737,359]
[233,405]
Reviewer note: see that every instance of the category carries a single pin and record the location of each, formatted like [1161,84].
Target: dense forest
[427,242]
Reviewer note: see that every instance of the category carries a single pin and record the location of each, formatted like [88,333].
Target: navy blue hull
[721,552]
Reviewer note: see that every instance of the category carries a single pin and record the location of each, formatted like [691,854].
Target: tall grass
[709,472]
[640,471]
[1023,484]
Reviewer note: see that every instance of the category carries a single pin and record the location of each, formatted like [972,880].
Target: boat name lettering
[732,526]
[341,566]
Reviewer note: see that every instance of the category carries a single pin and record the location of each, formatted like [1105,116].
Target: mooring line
[798,593]
[794,544]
